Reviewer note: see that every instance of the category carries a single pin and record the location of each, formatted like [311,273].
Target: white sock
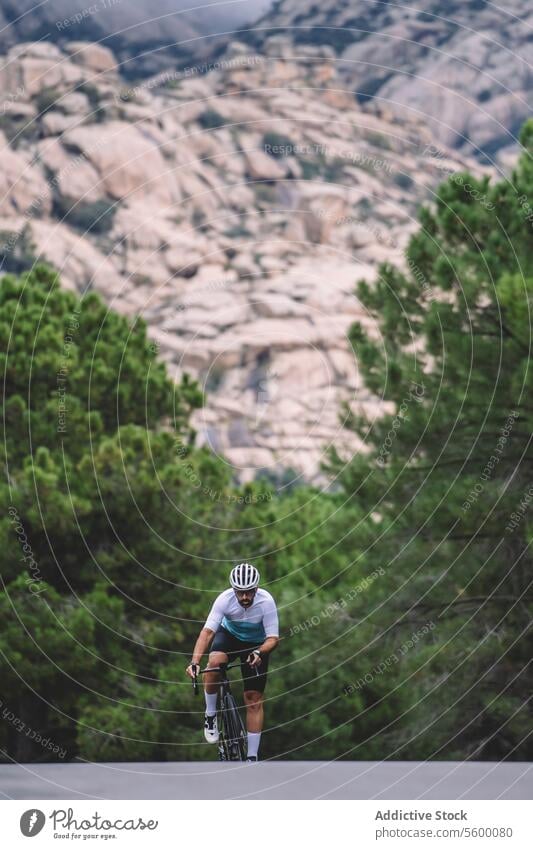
[210,703]
[253,743]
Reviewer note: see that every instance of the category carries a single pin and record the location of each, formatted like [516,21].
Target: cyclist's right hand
[193,670]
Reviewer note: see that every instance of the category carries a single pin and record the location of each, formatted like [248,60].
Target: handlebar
[224,668]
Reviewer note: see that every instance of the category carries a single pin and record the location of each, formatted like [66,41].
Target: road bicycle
[232,733]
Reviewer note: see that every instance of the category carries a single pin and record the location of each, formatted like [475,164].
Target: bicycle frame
[232,733]
[224,682]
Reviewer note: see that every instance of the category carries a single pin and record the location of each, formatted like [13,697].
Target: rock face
[234,211]
[128,162]
[146,35]
[96,57]
[23,189]
[464,65]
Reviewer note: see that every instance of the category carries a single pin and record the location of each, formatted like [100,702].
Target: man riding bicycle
[244,623]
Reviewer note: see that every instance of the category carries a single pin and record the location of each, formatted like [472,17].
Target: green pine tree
[448,345]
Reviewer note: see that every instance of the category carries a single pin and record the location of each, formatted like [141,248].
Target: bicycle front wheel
[234,731]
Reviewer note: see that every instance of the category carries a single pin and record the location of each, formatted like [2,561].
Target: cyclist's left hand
[254,659]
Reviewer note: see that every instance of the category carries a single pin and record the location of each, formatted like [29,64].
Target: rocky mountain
[465,65]
[233,210]
[146,35]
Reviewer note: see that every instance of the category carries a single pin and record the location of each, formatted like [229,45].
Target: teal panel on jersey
[248,632]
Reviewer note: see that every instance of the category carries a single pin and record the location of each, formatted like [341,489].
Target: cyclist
[244,623]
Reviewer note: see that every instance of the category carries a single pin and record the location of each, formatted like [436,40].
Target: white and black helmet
[244,577]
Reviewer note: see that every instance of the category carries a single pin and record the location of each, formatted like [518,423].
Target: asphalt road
[269,780]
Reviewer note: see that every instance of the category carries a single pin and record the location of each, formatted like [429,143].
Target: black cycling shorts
[234,648]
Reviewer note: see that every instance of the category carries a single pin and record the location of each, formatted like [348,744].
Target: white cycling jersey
[252,624]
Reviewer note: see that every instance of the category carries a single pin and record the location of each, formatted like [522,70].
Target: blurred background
[265,290]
